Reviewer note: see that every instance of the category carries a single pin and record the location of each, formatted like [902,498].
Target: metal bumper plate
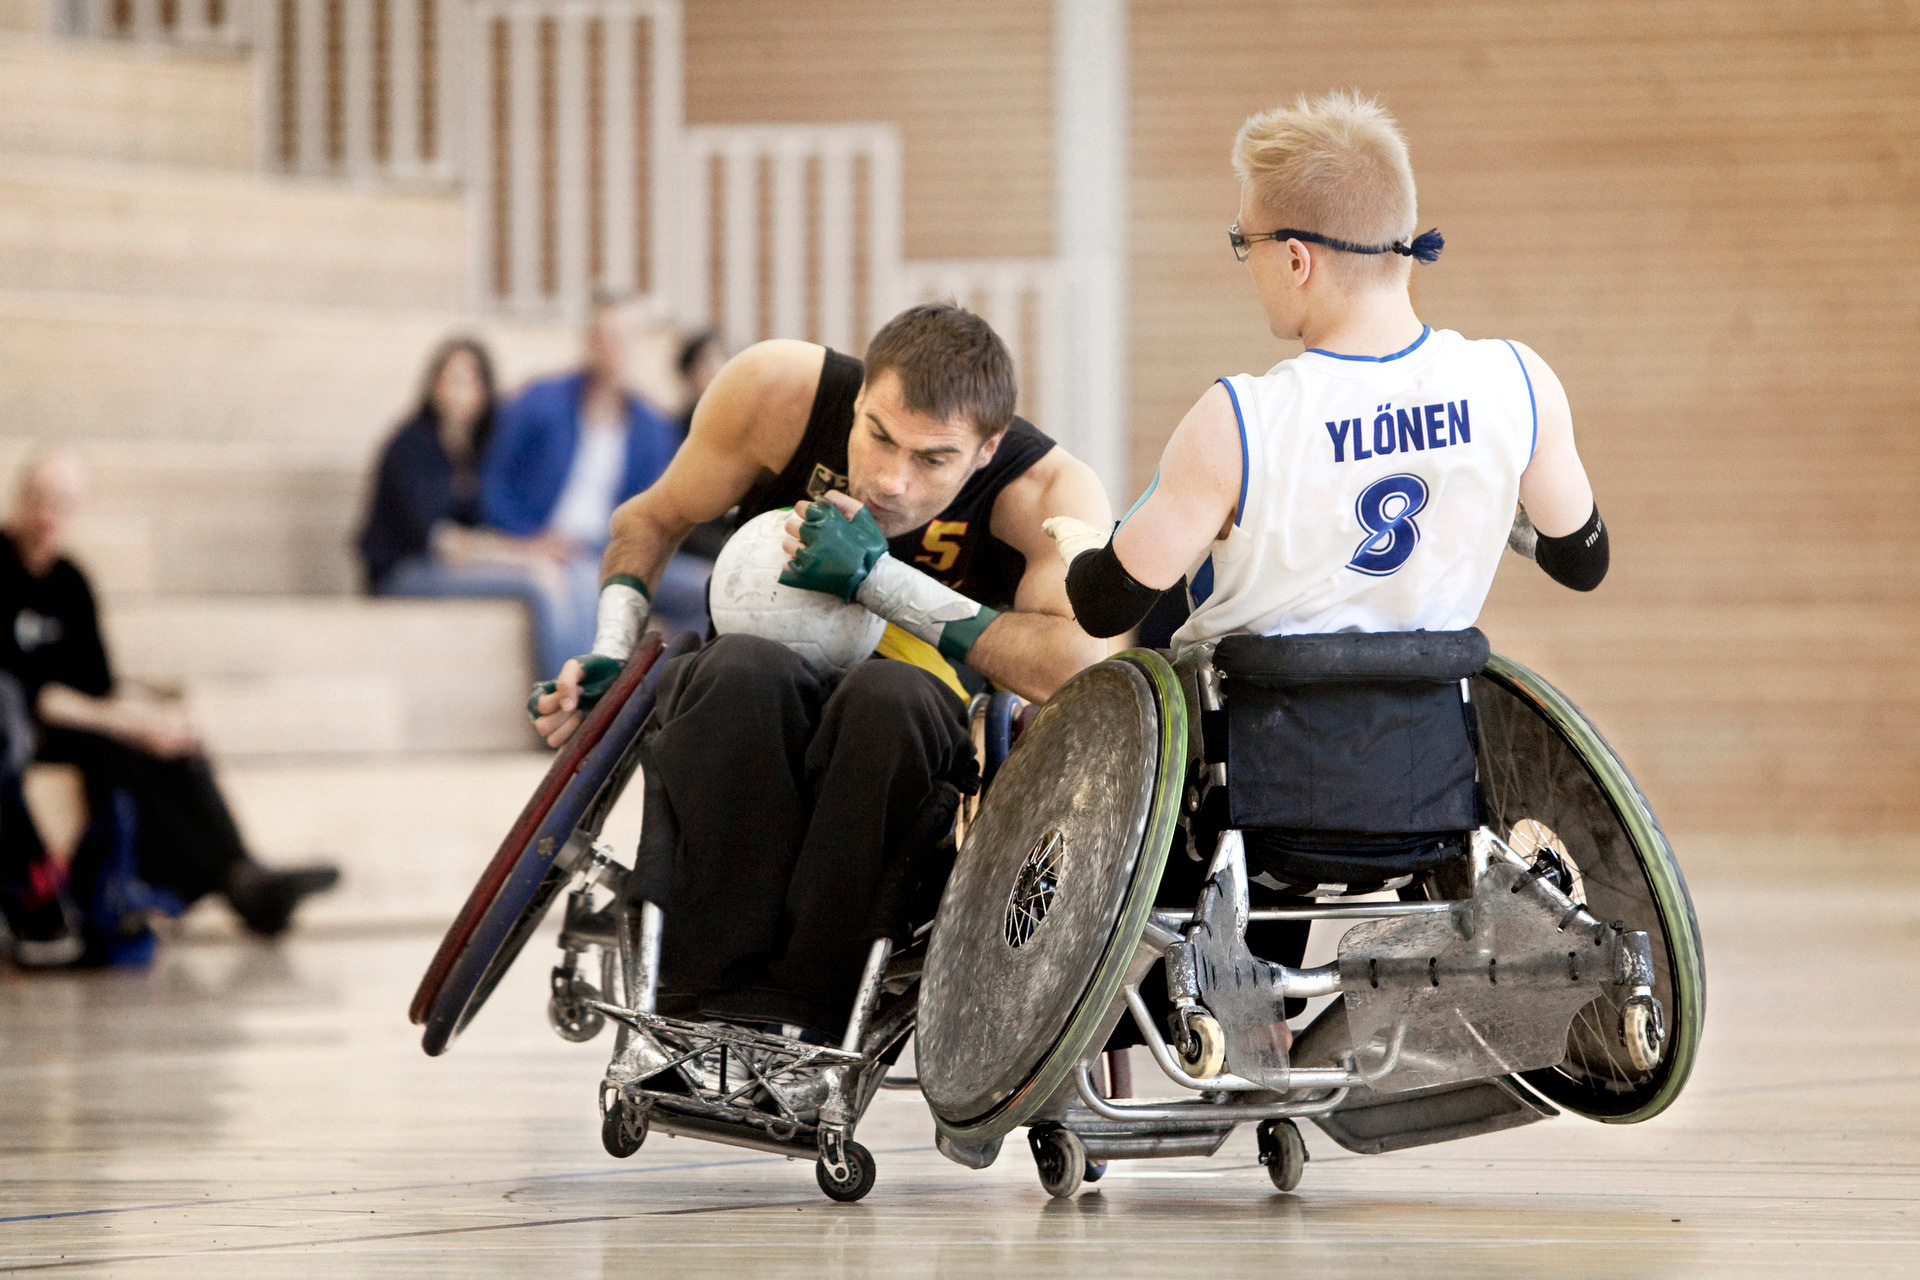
[1428,1006]
[1037,891]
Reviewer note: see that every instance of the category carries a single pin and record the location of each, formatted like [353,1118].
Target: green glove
[598,672]
[836,554]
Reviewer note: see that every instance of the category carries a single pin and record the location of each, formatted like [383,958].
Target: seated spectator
[570,449]
[140,756]
[423,537]
[39,924]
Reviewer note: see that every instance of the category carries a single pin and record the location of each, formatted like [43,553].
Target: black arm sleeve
[1578,560]
[1106,599]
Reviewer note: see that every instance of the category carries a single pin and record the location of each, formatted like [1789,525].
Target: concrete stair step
[121,102]
[92,225]
[103,366]
[245,518]
[292,677]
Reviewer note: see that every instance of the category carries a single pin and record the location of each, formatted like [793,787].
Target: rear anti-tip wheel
[1203,1050]
[623,1128]
[1060,1157]
[1283,1153]
[854,1182]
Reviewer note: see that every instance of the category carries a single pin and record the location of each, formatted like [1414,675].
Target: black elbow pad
[1106,599]
[1580,559]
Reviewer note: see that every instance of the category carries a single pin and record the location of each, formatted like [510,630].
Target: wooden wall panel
[1703,215]
[969,85]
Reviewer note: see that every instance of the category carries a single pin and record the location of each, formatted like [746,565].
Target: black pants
[185,837]
[797,799]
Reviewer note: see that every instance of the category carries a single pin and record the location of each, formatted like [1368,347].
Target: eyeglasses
[1242,242]
[1424,248]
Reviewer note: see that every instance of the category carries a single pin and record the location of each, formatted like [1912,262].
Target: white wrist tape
[1073,538]
[912,601]
[621,619]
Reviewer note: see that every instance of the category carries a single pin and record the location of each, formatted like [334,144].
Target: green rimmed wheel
[1049,896]
[1553,783]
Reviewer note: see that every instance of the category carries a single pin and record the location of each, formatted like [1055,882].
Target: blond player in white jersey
[1368,484]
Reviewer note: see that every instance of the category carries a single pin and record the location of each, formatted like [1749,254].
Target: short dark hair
[948,361]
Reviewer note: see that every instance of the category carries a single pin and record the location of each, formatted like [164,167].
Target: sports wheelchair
[713,1080]
[1537,951]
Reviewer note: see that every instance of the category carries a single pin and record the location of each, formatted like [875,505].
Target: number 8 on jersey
[1386,509]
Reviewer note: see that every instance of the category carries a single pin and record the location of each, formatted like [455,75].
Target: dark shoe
[39,924]
[265,899]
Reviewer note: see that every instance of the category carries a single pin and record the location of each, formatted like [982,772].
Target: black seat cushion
[1351,732]
[1433,656]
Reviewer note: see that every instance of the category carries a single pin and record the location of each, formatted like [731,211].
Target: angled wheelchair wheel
[1551,779]
[546,845]
[1049,896]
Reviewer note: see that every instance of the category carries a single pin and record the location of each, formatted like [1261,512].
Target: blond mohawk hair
[1335,165]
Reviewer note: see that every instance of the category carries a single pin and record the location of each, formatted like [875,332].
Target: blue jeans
[562,620]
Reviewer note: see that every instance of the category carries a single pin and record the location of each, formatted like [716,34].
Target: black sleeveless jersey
[956,547]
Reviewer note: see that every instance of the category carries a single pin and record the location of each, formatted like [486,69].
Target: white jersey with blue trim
[1376,492]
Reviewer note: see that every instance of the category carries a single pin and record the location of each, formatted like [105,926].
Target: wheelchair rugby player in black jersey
[790,807]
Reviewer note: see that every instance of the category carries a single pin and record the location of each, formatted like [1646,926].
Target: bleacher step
[92,225]
[119,102]
[182,517]
[290,677]
[116,367]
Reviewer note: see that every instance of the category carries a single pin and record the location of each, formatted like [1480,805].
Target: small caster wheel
[1643,1030]
[1096,1170]
[623,1127]
[857,1181]
[1061,1158]
[568,1011]
[1282,1151]
[1204,1051]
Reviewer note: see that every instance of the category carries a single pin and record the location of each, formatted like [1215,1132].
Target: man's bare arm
[1034,647]
[748,423]
[1113,583]
[1193,499]
[1554,487]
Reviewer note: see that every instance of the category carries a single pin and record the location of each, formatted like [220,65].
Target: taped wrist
[920,606]
[1106,599]
[1580,559]
[624,606]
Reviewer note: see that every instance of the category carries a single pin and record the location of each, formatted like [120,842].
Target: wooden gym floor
[243,1110]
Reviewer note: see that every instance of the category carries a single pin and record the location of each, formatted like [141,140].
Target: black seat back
[1351,732]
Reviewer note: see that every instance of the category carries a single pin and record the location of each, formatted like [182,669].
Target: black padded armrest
[1439,656]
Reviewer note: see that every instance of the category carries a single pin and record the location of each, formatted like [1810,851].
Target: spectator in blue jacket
[423,537]
[566,452]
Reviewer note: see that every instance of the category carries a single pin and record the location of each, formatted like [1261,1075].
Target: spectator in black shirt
[185,839]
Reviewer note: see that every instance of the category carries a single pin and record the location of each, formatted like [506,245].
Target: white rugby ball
[747,598]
